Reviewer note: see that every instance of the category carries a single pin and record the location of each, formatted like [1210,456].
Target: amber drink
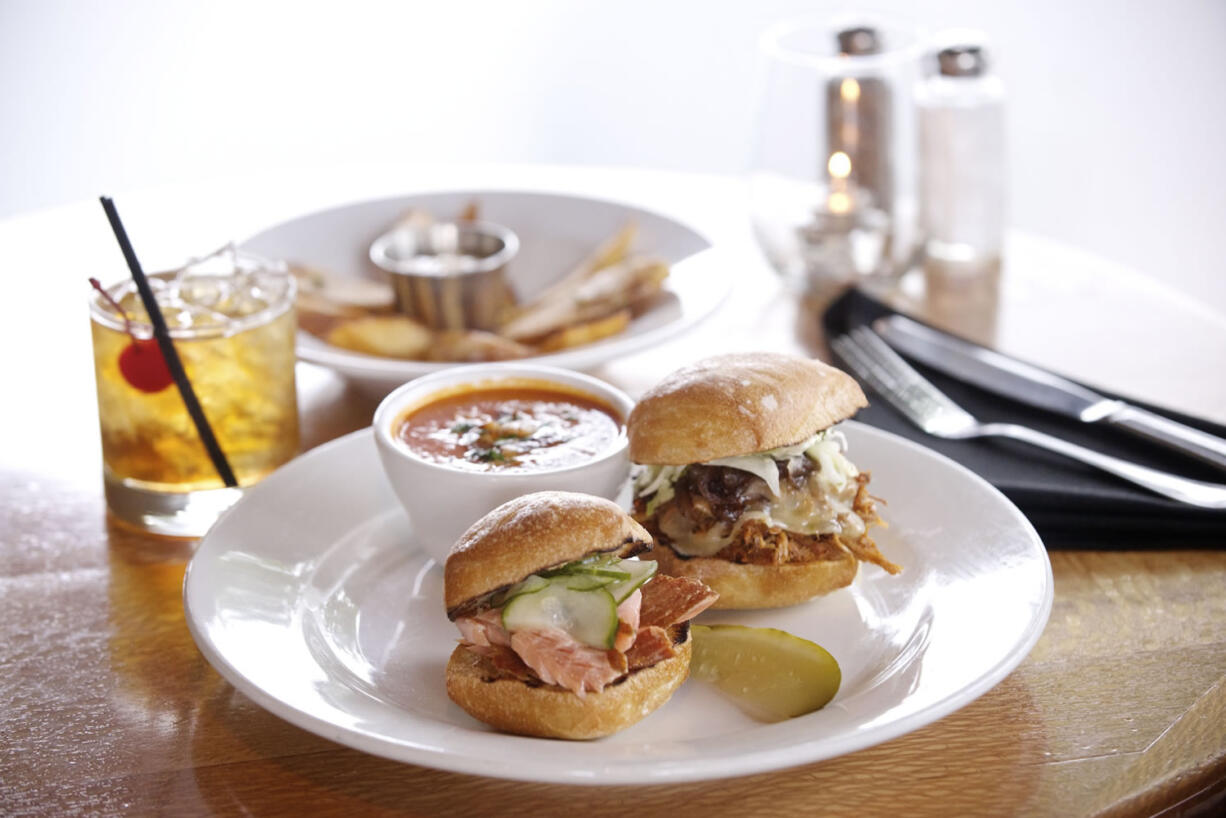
[232,322]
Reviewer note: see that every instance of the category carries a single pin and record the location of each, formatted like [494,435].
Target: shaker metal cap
[962,61]
[859,41]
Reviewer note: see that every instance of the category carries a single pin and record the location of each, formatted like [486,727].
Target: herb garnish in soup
[516,428]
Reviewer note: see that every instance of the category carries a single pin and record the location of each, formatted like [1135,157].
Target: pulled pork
[709,496]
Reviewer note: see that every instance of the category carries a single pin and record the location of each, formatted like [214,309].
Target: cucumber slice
[583,582]
[584,569]
[589,616]
[531,585]
[638,571]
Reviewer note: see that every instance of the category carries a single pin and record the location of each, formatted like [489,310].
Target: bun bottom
[760,586]
[547,711]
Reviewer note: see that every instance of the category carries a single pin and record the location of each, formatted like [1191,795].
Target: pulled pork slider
[562,635]
[745,485]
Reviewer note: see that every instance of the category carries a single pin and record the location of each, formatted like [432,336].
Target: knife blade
[1028,384]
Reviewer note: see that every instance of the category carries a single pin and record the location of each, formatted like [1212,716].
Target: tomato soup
[519,428]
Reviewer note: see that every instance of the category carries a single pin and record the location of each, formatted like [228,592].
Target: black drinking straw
[162,334]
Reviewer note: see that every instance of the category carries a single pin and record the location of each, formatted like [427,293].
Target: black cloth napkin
[1071,505]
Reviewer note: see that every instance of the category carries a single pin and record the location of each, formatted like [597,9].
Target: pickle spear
[771,674]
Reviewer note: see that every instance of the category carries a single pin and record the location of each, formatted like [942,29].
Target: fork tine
[897,375]
[899,371]
[903,376]
[855,357]
[858,358]
[896,381]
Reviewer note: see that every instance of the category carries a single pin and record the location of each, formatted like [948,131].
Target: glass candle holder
[833,180]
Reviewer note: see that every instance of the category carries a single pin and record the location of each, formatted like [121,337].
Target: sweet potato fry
[333,294]
[585,333]
[388,336]
[605,291]
[612,250]
[474,345]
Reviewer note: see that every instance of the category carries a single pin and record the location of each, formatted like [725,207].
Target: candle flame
[849,90]
[838,202]
[839,165]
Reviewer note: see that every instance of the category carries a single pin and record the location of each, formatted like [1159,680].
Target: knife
[1033,386]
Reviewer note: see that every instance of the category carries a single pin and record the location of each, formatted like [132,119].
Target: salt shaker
[962,186]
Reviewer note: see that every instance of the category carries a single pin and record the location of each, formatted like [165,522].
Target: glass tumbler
[832,187]
[232,322]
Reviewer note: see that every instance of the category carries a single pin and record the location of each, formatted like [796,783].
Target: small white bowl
[443,501]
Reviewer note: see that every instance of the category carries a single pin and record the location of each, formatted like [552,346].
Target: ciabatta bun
[760,586]
[533,533]
[731,405]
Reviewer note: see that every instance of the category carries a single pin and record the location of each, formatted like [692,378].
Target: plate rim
[393,371]
[672,771]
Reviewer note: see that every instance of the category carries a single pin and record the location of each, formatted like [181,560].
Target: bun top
[731,405]
[533,533]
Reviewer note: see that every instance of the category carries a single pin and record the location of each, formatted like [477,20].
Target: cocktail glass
[231,318]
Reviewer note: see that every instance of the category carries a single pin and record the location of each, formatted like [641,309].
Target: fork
[931,409]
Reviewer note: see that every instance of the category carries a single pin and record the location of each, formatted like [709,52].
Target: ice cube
[232,283]
[131,304]
[204,290]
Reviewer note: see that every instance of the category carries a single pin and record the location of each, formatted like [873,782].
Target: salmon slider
[563,635]
[745,483]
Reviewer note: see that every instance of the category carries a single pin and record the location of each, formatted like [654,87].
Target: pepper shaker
[858,110]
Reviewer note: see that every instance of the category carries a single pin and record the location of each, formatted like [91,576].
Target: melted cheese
[824,507]
[800,510]
[676,526]
[826,449]
[759,465]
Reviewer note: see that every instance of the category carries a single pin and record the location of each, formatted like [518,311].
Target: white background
[1117,108]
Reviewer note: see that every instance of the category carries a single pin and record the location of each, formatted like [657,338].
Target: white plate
[556,231]
[305,597]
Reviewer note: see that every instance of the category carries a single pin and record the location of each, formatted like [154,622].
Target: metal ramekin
[449,275]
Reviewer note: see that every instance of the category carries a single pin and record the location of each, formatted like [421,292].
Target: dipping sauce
[512,429]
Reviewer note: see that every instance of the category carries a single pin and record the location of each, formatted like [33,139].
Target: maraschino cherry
[141,362]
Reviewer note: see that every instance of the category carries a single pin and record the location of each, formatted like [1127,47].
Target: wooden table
[106,706]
